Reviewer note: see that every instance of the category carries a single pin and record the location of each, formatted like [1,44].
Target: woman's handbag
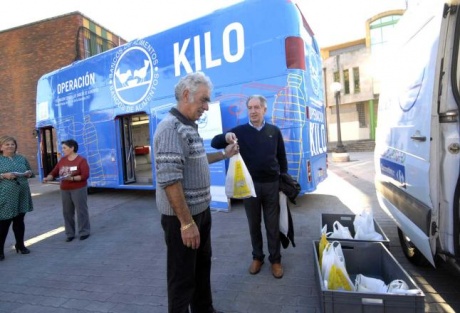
[238,183]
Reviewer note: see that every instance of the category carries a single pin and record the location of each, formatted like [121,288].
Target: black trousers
[188,270]
[266,203]
[18,230]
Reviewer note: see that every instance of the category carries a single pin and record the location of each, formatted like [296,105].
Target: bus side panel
[287,106]
[84,99]
[81,115]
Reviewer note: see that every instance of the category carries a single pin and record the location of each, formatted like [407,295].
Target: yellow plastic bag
[339,279]
[238,183]
[322,244]
[333,269]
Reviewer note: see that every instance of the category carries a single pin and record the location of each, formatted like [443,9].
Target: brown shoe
[255,267]
[277,270]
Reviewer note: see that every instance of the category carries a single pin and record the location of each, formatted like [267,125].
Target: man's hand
[230,138]
[191,236]
[231,150]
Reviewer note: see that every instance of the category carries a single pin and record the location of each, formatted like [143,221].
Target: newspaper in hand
[62,177]
[19,174]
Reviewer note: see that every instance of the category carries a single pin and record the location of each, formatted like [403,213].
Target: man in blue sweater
[262,148]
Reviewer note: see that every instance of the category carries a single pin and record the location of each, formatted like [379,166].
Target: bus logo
[134,75]
[315,74]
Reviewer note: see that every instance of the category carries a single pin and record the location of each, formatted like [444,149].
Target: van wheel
[410,251]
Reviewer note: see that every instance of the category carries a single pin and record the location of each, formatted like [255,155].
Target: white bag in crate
[339,231]
[333,269]
[364,227]
[369,284]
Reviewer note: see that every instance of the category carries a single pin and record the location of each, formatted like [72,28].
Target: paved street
[441,285]
[121,267]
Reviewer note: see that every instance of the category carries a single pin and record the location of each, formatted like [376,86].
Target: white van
[417,153]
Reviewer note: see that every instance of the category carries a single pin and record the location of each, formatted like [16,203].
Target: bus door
[48,149]
[127,149]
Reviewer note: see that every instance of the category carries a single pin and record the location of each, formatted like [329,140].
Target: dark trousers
[75,200]
[188,270]
[266,203]
[18,230]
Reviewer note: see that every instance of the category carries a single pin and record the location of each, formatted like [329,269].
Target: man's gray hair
[191,82]
[262,100]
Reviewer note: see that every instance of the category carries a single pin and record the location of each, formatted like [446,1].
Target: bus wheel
[410,251]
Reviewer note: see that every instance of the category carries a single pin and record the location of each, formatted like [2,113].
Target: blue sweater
[263,151]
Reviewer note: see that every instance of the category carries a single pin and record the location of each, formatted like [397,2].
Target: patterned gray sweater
[180,156]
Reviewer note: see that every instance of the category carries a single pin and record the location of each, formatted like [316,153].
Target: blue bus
[111,103]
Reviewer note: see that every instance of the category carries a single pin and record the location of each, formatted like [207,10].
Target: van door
[404,177]
[449,101]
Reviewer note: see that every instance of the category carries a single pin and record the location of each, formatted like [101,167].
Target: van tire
[410,251]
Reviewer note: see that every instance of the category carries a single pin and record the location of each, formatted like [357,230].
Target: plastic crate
[371,259]
[347,221]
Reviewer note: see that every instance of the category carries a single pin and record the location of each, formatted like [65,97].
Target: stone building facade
[355,65]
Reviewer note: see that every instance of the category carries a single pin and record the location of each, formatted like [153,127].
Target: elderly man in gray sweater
[183,196]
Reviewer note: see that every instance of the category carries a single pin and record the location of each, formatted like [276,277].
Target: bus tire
[410,251]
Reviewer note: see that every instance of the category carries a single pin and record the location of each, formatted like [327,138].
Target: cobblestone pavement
[121,268]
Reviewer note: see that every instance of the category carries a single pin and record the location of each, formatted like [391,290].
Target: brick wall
[27,53]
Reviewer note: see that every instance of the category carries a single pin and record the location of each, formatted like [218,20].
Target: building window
[99,46]
[361,114]
[87,47]
[357,88]
[346,82]
[337,77]
[92,44]
[381,31]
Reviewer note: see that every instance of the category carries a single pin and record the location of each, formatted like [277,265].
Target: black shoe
[84,237]
[69,239]
[23,250]
[2,257]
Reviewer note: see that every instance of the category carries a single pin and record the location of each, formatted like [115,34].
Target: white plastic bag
[397,286]
[339,231]
[284,221]
[327,261]
[369,284]
[238,183]
[364,227]
[333,269]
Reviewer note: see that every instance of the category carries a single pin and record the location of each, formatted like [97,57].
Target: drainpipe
[372,120]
